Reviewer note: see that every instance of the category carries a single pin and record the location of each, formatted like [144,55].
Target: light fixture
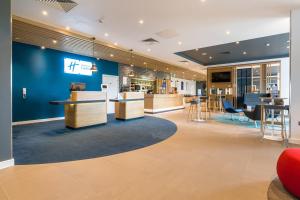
[111,55]
[197,49]
[141,21]
[268,44]
[167,68]
[204,54]
[203,1]
[288,41]
[210,57]
[145,63]
[228,32]
[131,74]
[106,34]
[54,41]
[116,44]
[98,58]
[148,50]
[288,47]
[44,12]
[94,66]
[237,42]
[244,52]
[43,47]
[67,28]
[179,43]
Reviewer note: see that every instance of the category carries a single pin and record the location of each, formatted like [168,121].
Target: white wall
[189,86]
[295,76]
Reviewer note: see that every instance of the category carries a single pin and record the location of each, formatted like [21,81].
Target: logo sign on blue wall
[72,66]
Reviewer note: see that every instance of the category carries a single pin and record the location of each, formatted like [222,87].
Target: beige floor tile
[209,160]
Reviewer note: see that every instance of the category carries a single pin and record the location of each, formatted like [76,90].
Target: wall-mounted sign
[72,66]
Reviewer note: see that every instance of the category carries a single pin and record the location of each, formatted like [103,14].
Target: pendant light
[94,66]
[131,74]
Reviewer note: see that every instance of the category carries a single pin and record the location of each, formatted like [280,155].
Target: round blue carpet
[51,142]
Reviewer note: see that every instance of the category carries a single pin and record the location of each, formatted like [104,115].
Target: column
[295,77]
[5,85]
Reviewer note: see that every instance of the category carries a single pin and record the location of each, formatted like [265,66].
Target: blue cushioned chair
[228,108]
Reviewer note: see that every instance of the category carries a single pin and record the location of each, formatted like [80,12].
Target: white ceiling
[196,24]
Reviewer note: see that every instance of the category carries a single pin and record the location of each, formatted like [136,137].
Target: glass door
[244,84]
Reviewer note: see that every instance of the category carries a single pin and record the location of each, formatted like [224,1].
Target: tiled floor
[201,161]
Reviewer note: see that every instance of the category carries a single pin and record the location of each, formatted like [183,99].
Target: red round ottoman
[288,170]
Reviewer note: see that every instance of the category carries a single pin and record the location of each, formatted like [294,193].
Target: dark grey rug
[51,142]
[276,191]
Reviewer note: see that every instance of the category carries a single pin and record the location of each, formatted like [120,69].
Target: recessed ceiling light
[106,34]
[148,50]
[141,21]
[210,57]
[228,32]
[145,63]
[244,52]
[183,72]
[268,44]
[204,54]
[111,55]
[203,1]
[179,43]
[43,47]
[67,28]
[132,65]
[116,44]
[167,68]
[54,41]
[44,12]
[237,42]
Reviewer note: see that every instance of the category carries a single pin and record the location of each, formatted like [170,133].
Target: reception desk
[155,103]
[130,106]
[84,108]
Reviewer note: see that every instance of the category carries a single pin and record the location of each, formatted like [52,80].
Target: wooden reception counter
[130,106]
[84,108]
[155,103]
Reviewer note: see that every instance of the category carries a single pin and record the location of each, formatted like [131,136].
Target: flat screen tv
[220,77]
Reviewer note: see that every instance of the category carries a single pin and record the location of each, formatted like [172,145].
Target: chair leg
[255,122]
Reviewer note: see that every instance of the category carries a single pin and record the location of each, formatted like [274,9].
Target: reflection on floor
[51,142]
[209,161]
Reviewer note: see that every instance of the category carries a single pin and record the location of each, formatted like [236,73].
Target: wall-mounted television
[220,77]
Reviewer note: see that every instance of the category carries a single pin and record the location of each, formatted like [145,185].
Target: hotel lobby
[155,100]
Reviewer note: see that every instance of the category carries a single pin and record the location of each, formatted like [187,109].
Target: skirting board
[294,141]
[7,163]
[37,121]
[163,109]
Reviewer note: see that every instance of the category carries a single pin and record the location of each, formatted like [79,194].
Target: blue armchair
[228,108]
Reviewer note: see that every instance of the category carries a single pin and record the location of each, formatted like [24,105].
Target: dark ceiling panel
[275,46]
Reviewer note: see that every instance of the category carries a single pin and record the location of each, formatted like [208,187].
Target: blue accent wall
[42,73]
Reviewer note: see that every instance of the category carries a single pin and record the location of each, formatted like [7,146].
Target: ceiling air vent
[65,5]
[225,53]
[150,41]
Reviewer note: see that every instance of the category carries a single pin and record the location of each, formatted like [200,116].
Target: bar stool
[193,108]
